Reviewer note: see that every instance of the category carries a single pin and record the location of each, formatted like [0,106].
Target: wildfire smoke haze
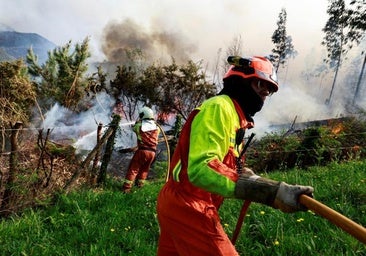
[197,30]
[155,44]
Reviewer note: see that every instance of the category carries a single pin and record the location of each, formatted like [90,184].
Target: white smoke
[301,99]
[207,29]
[81,128]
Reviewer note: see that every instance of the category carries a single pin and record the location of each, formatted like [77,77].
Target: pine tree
[284,49]
[17,94]
[335,38]
[61,78]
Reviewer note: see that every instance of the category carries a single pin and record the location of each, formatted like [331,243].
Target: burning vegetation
[41,168]
[315,143]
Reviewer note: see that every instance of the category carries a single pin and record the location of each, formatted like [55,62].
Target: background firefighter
[147,133]
[204,170]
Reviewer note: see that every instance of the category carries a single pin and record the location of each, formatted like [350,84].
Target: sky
[205,25]
[195,29]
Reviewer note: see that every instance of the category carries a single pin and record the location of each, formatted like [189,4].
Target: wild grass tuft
[108,222]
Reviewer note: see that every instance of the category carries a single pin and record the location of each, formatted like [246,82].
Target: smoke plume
[156,44]
[81,128]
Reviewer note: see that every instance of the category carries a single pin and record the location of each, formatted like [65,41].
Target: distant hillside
[5,56]
[14,45]
[4,27]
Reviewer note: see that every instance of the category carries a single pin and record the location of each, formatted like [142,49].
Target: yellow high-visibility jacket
[204,161]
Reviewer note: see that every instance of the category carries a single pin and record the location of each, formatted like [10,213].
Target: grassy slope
[107,222]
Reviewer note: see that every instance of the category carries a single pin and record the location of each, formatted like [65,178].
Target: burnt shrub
[335,140]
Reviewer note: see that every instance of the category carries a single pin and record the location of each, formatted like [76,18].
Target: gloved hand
[248,171]
[287,197]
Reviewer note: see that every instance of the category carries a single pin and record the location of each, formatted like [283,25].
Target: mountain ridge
[15,45]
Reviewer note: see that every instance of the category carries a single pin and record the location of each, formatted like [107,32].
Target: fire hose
[167,149]
[346,224]
[166,144]
[246,203]
[351,227]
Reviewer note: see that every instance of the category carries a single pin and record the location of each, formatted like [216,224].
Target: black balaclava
[240,90]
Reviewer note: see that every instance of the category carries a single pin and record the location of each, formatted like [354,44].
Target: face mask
[240,90]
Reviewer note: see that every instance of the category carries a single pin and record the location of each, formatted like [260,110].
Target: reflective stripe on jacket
[204,162]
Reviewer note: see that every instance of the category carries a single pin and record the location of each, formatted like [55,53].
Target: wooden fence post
[108,150]
[94,170]
[8,179]
[111,129]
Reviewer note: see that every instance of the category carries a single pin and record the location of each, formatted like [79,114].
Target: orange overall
[141,161]
[202,173]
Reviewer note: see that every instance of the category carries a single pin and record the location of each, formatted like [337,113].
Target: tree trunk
[334,81]
[7,180]
[355,97]
[108,151]
[91,155]
[94,170]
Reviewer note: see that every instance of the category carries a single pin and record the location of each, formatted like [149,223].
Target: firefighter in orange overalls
[147,133]
[203,169]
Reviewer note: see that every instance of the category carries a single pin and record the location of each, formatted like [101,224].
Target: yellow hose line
[348,225]
[168,152]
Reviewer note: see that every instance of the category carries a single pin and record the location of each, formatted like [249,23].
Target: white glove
[248,171]
[287,197]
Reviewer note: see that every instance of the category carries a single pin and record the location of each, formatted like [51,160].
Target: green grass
[108,222]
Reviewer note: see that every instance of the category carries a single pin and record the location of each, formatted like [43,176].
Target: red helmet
[256,66]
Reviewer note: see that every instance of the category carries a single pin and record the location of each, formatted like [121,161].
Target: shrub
[337,140]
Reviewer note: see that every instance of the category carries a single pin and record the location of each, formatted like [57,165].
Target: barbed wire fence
[35,167]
